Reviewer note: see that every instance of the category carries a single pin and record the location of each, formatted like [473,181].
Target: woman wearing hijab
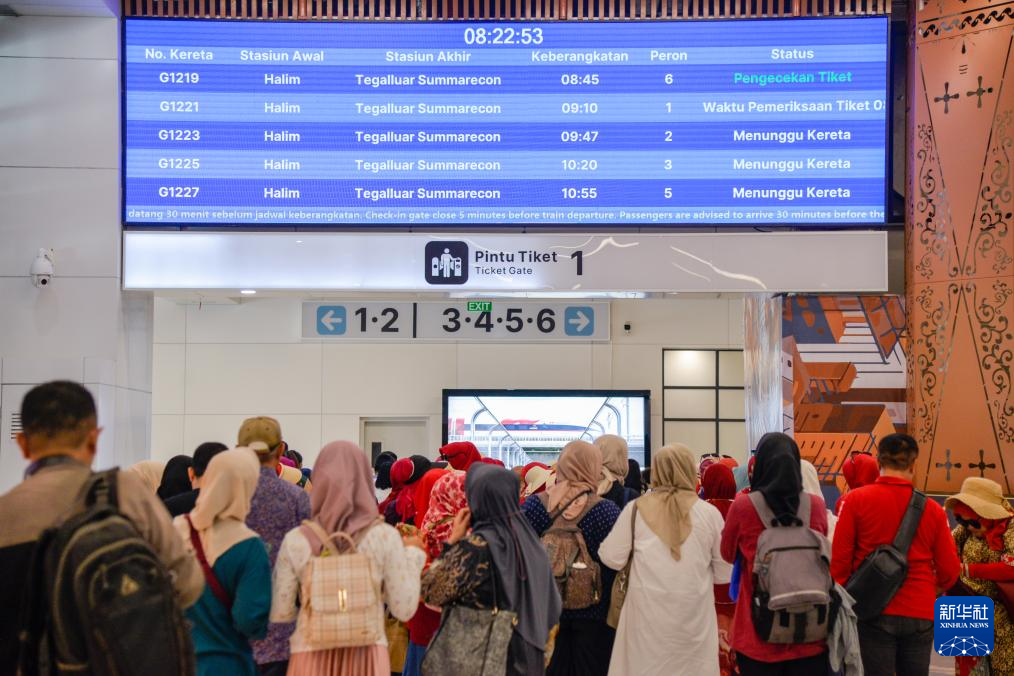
[778,477]
[504,551]
[985,540]
[227,618]
[175,477]
[614,470]
[859,469]
[534,477]
[424,623]
[585,641]
[342,501]
[382,470]
[811,484]
[633,480]
[718,487]
[460,454]
[667,625]
[150,472]
[399,507]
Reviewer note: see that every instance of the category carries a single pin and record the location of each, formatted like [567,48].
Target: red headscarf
[423,490]
[749,472]
[859,470]
[492,461]
[461,454]
[731,463]
[995,528]
[404,504]
[446,500]
[719,487]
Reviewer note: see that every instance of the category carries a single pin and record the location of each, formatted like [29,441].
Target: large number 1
[579,255]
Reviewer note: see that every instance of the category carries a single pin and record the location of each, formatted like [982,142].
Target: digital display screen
[525,426]
[777,121]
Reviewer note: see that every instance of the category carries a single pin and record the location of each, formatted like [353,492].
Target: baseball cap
[262,434]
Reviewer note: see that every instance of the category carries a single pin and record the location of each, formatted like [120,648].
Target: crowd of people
[585,567]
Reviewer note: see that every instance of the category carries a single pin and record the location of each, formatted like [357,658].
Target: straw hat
[982,496]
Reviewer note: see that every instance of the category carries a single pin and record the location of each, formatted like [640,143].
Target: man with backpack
[891,524]
[111,520]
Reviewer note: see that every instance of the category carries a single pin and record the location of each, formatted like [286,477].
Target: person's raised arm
[402,567]
[285,582]
[733,523]
[153,522]
[945,552]
[615,549]
[252,603]
[843,547]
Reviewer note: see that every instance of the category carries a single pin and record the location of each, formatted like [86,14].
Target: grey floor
[942,665]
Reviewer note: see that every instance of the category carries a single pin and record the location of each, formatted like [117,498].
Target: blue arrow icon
[331,320]
[579,320]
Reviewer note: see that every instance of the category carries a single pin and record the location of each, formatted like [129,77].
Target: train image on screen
[519,440]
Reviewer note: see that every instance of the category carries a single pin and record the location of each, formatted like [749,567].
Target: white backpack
[342,607]
[792,600]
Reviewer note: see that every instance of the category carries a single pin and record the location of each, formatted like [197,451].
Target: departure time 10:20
[503,36]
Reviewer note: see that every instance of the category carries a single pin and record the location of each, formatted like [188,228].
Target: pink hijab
[577,471]
[342,499]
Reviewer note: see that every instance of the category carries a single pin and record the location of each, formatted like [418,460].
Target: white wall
[217,364]
[59,189]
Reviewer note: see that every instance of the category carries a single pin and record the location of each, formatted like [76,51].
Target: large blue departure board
[462,123]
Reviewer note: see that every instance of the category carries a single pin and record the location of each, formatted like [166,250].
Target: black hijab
[175,479]
[633,480]
[420,465]
[382,466]
[526,583]
[777,475]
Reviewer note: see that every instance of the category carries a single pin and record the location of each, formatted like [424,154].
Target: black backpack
[98,601]
[882,573]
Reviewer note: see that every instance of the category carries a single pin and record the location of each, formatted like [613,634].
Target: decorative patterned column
[762,365]
[960,262]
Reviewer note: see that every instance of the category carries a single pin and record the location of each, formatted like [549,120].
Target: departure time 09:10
[503,36]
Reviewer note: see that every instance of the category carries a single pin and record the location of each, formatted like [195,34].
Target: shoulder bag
[471,641]
[881,574]
[622,580]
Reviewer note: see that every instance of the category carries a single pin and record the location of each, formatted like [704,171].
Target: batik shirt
[276,508]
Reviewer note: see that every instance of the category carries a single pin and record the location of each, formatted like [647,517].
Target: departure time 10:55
[503,36]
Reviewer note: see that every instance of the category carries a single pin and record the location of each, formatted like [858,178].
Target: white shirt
[668,625]
[395,567]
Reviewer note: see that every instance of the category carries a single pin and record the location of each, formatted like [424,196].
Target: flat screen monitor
[522,426]
[347,125]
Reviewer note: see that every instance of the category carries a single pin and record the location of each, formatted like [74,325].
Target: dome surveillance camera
[42,268]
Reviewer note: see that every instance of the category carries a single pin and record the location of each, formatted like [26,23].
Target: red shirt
[870,518]
[742,529]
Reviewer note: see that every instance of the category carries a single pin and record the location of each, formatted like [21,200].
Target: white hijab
[224,502]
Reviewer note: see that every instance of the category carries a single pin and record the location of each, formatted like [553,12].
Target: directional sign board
[462,321]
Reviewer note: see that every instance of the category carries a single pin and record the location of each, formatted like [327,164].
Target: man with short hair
[184,503]
[60,437]
[899,640]
[276,508]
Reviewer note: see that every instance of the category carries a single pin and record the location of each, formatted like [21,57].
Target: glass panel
[732,439]
[730,405]
[730,369]
[695,368]
[699,436]
[690,404]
